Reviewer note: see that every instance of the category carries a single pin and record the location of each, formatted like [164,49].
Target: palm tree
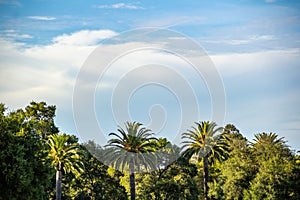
[266,144]
[267,139]
[65,157]
[203,142]
[134,147]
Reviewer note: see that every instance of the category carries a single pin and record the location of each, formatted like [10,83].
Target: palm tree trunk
[58,184]
[205,177]
[132,181]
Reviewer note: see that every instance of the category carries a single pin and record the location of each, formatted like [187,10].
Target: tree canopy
[32,150]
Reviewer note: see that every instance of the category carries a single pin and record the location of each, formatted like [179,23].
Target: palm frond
[135,145]
[203,140]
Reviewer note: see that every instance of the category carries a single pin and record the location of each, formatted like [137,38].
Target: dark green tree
[274,162]
[232,176]
[176,181]
[94,182]
[40,119]
[24,174]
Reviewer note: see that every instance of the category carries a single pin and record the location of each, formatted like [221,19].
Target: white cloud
[172,21]
[42,18]
[242,41]
[270,1]
[121,6]
[262,37]
[240,63]
[84,37]
[18,36]
[13,35]
[49,72]
[9,31]
[55,65]
[44,72]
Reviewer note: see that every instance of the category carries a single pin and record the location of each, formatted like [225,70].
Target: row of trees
[38,162]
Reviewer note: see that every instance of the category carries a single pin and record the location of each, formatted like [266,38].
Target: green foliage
[203,140]
[205,144]
[30,147]
[40,119]
[176,181]
[232,176]
[275,168]
[64,153]
[266,169]
[94,181]
[23,172]
[135,148]
[134,145]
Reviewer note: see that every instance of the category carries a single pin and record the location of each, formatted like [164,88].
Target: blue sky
[255,46]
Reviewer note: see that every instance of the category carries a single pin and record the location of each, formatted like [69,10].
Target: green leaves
[204,143]
[65,156]
[23,172]
[203,140]
[40,118]
[176,181]
[30,149]
[135,145]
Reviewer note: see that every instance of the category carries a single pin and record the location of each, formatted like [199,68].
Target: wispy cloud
[84,37]
[270,1]
[262,37]
[9,31]
[121,6]
[11,34]
[42,18]
[172,21]
[18,36]
[242,41]
[11,2]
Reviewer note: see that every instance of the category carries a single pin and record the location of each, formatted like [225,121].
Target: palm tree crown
[65,155]
[265,138]
[203,140]
[266,144]
[135,148]
[136,145]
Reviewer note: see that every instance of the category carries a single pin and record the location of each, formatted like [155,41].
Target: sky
[253,47]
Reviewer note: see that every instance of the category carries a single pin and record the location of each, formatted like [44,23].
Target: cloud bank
[48,73]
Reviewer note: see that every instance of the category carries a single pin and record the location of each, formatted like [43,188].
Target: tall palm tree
[133,147]
[65,157]
[204,142]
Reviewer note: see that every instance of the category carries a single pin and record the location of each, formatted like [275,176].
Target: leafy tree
[24,174]
[175,182]
[40,119]
[65,157]
[204,142]
[232,176]
[134,148]
[264,141]
[29,143]
[94,181]
[274,168]
[295,180]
